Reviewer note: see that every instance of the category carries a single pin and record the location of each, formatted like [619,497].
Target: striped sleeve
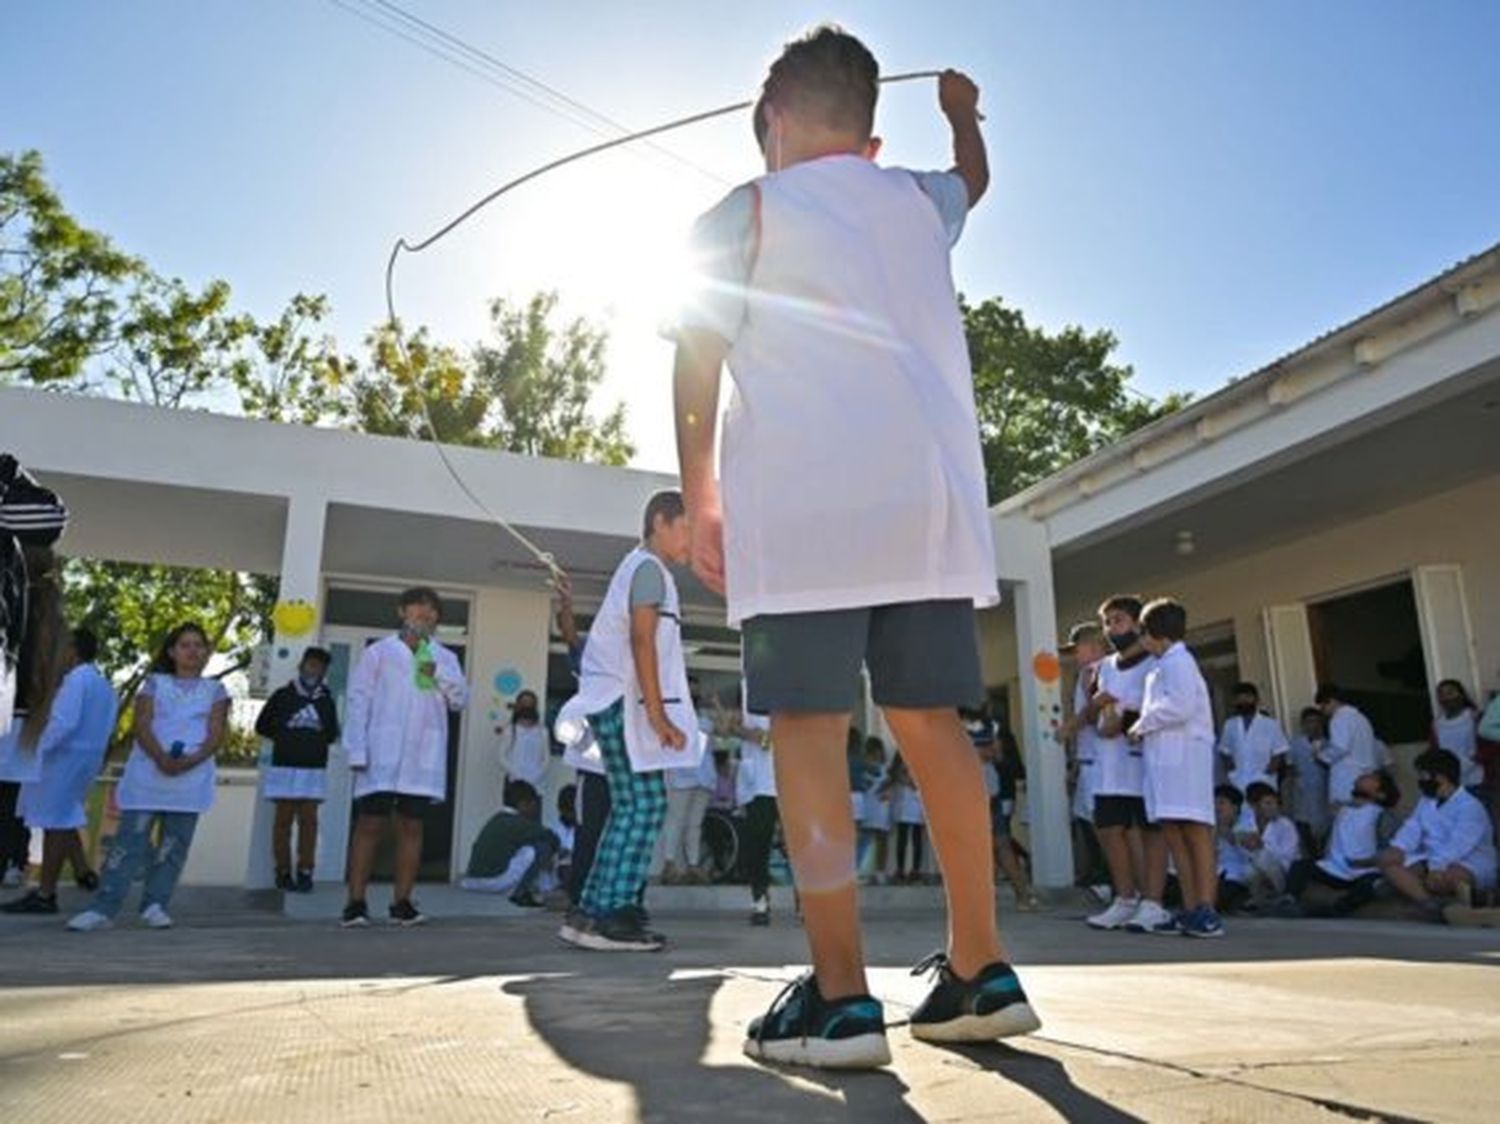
[32,513]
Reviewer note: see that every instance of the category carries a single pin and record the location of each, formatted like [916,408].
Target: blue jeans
[131,850]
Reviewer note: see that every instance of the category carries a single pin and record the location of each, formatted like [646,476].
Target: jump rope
[556,575]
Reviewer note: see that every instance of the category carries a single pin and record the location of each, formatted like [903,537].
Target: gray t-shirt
[724,242]
[648,585]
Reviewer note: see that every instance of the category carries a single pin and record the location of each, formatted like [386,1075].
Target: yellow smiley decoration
[294,618]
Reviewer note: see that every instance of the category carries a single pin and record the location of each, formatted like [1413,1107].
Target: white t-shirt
[853,416]
[1118,766]
[756,775]
[180,712]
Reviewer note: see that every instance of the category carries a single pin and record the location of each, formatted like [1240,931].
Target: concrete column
[1026,571]
[301,580]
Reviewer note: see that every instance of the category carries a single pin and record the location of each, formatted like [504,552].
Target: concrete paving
[240,1014]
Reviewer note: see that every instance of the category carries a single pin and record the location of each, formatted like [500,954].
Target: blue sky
[1215,182]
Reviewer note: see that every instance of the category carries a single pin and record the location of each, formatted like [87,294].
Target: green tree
[541,379]
[526,391]
[59,281]
[286,372]
[132,606]
[1045,400]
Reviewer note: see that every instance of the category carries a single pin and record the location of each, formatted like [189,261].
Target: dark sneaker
[304,884]
[284,882]
[406,915]
[576,924]
[527,900]
[356,916]
[992,1005]
[34,902]
[760,913]
[87,881]
[803,1028]
[1203,923]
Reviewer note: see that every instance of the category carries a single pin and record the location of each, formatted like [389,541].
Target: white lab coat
[396,736]
[1177,731]
[1252,749]
[71,749]
[1456,831]
[1459,735]
[1355,835]
[1350,751]
[608,675]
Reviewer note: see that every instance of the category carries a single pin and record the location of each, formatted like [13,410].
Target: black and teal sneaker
[803,1028]
[990,1006]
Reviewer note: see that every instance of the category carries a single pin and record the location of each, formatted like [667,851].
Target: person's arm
[1489,725]
[450,680]
[1336,745]
[269,721]
[643,622]
[695,387]
[1168,702]
[145,736]
[1471,830]
[360,698]
[218,726]
[958,98]
[1408,837]
[65,717]
[330,714]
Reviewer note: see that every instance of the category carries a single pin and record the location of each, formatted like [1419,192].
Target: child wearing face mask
[528,750]
[1351,862]
[1253,742]
[301,722]
[400,696]
[1456,729]
[1446,847]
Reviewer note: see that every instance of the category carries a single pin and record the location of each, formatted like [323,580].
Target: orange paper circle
[1046,667]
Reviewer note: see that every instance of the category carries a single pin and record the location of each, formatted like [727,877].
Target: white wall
[508,630]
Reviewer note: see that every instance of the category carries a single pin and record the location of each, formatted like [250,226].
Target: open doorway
[1370,644]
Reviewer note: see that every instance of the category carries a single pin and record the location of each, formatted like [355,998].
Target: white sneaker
[155,917]
[1152,917]
[88,921]
[1119,912]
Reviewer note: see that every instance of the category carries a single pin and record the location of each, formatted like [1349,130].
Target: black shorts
[923,655]
[384,803]
[1120,811]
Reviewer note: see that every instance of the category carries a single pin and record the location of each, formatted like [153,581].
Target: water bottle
[423,655]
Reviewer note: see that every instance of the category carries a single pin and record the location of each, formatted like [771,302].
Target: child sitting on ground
[1270,840]
[1234,867]
[1350,864]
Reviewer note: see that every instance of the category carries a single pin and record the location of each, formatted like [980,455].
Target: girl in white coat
[396,736]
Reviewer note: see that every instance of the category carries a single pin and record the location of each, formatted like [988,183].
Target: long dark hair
[164,664]
[44,649]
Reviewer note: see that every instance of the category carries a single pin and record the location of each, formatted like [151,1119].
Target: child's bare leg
[281,835]
[1199,840]
[812,787]
[56,846]
[1407,880]
[408,855]
[1010,862]
[1173,843]
[948,775]
[307,834]
[367,832]
[1118,858]
[882,855]
[1154,848]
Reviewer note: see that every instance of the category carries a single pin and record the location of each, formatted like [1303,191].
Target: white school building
[1333,516]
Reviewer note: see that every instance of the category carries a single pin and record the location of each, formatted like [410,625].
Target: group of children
[1145,761]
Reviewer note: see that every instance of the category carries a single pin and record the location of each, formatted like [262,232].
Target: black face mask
[1123,641]
[1428,787]
[526,714]
[1245,710]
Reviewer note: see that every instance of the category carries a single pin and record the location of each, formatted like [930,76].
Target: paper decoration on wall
[294,618]
[1046,667]
[508,681]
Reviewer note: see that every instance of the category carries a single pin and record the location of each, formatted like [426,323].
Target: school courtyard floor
[242,1015]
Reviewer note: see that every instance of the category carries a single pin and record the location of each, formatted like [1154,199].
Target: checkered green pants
[637,807]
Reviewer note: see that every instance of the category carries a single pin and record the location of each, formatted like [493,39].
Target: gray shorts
[921,655]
